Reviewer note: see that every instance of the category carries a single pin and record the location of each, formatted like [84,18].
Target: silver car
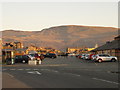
[104,57]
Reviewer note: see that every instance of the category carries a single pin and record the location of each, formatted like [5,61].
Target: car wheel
[52,57]
[99,60]
[9,63]
[113,60]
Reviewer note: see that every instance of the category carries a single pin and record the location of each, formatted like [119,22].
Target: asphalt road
[65,72]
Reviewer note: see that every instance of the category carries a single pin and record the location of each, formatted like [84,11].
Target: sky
[35,16]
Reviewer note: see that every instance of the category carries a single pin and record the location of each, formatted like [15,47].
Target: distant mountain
[60,37]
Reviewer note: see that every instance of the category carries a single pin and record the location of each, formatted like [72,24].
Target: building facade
[79,50]
[9,50]
[111,47]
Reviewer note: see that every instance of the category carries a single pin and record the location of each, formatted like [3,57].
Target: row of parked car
[26,58]
[98,57]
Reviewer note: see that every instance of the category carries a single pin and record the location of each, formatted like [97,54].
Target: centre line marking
[105,80]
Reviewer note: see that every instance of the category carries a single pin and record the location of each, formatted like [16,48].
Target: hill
[60,37]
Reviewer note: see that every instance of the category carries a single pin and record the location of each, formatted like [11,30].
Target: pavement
[10,82]
[62,72]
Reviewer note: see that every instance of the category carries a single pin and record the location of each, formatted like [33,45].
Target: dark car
[50,55]
[8,61]
[22,59]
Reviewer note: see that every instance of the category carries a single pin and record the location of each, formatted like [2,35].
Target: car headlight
[116,58]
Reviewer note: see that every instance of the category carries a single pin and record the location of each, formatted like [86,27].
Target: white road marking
[105,80]
[10,75]
[31,72]
[34,72]
[38,72]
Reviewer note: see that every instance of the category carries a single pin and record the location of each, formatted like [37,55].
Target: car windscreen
[104,55]
[52,54]
[18,57]
[32,55]
[24,56]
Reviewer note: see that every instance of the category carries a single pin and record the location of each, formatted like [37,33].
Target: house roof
[115,44]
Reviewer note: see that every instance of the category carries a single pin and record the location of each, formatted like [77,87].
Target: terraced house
[111,47]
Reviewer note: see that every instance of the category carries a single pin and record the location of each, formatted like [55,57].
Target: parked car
[37,56]
[72,54]
[41,57]
[86,56]
[50,55]
[105,57]
[79,56]
[8,61]
[21,59]
[91,56]
[31,56]
[83,56]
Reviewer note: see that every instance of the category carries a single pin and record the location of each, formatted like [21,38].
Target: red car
[90,56]
[39,57]
[79,56]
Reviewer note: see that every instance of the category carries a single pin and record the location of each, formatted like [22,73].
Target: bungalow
[111,47]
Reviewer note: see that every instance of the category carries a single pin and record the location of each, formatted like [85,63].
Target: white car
[83,56]
[105,57]
[31,57]
[87,56]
